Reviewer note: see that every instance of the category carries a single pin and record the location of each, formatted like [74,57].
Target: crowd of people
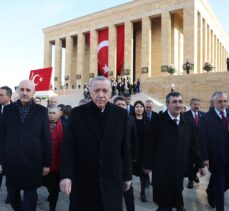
[90,152]
[120,86]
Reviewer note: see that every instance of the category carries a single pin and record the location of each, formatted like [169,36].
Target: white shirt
[172,117]
[218,113]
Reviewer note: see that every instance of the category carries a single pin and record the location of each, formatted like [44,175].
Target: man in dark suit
[130,108]
[151,115]
[5,99]
[95,165]
[214,139]
[167,153]
[25,148]
[193,116]
[133,141]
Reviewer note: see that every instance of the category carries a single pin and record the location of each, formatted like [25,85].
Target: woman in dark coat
[142,125]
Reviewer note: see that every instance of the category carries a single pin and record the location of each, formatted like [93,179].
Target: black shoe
[196,179]
[211,201]
[143,198]
[190,185]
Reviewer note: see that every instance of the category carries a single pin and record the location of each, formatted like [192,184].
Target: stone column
[209,45]
[205,44]
[58,62]
[80,59]
[128,48]
[112,50]
[93,52]
[146,44]
[68,61]
[190,35]
[47,53]
[166,38]
[200,43]
[213,50]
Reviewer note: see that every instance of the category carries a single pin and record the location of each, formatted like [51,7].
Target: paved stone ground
[195,199]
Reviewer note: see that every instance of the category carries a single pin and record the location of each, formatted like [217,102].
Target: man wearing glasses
[214,139]
[167,151]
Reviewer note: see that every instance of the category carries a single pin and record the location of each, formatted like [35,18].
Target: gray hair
[53,108]
[218,94]
[100,78]
[148,101]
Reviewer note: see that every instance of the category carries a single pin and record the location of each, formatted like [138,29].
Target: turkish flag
[120,49]
[102,50]
[41,78]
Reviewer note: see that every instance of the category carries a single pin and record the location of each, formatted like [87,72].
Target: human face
[100,93]
[53,115]
[37,101]
[149,107]
[175,105]
[195,106]
[139,109]
[4,98]
[121,103]
[220,103]
[26,91]
[52,101]
[128,99]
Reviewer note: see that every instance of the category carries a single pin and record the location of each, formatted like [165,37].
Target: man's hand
[45,171]
[66,186]
[146,171]
[126,185]
[206,163]
[202,172]
[0,169]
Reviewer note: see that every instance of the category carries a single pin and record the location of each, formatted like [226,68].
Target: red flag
[120,49]
[41,78]
[102,50]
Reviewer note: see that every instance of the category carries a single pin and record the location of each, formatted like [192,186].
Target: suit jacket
[166,155]
[96,156]
[188,114]
[215,143]
[25,148]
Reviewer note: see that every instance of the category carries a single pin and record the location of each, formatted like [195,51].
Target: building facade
[156,33]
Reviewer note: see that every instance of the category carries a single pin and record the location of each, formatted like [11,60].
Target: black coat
[96,157]
[25,148]
[132,138]
[166,154]
[215,144]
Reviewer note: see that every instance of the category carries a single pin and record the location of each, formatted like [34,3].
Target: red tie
[196,119]
[224,120]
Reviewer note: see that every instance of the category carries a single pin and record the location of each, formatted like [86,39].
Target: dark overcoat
[25,148]
[97,163]
[215,144]
[166,155]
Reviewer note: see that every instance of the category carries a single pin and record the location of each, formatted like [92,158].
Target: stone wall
[201,86]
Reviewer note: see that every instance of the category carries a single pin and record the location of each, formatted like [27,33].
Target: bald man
[25,148]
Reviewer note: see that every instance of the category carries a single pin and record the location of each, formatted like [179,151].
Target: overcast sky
[21,24]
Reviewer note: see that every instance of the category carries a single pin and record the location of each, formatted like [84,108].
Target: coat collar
[92,121]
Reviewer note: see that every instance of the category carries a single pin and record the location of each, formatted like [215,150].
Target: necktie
[176,121]
[224,120]
[2,109]
[196,119]
[148,115]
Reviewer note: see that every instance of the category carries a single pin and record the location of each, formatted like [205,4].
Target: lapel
[108,121]
[91,120]
[16,113]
